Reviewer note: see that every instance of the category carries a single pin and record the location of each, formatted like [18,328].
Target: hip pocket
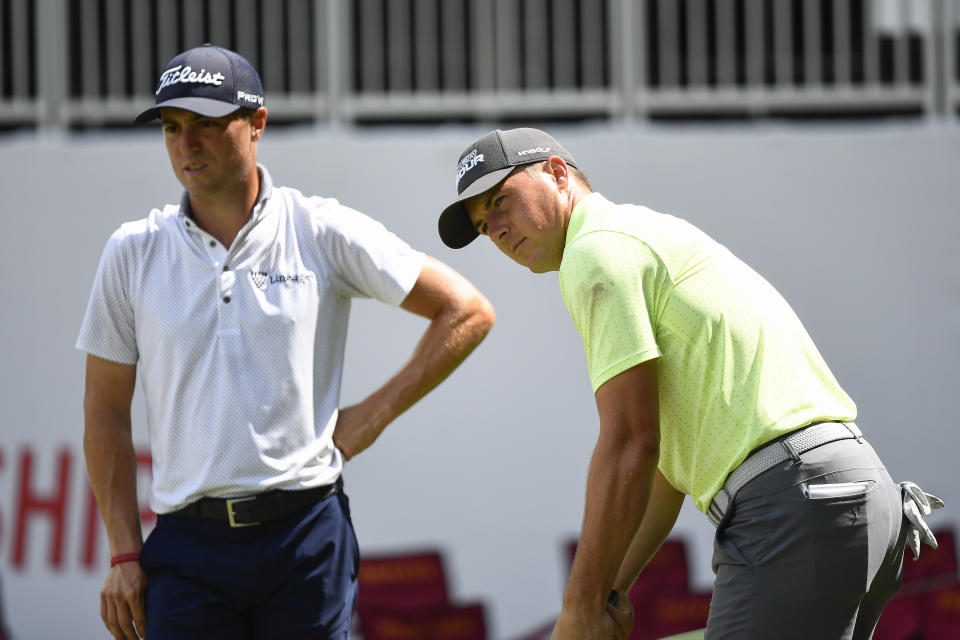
[837,491]
[839,527]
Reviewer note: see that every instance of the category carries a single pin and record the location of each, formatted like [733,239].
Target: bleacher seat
[406,581]
[928,605]
[932,563]
[941,613]
[437,623]
[403,596]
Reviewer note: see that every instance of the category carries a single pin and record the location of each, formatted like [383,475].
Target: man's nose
[188,139]
[497,228]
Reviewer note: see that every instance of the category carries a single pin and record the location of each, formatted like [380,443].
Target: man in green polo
[707,385]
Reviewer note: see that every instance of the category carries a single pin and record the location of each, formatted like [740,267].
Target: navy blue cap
[208,80]
[484,165]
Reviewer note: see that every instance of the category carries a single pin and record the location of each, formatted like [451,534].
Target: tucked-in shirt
[736,367]
[241,350]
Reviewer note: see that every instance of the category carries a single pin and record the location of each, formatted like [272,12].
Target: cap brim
[203,106]
[454,224]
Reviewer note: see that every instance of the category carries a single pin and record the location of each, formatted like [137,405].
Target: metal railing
[90,63]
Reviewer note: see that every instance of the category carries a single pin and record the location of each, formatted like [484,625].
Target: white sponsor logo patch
[187,75]
[527,152]
[469,161]
[249,97]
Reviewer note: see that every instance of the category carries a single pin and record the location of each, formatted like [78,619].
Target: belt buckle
[232,517]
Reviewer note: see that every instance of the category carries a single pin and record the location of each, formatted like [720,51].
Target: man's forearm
[108,448]
[460,317]
[658,520]
[451,336]
[619,484]
[112,467]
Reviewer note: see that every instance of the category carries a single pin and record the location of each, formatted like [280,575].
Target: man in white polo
[234,304]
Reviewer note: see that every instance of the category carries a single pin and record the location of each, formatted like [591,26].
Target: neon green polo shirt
[736,366]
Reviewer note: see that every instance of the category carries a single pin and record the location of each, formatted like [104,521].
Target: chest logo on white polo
[259,279]
[262,279]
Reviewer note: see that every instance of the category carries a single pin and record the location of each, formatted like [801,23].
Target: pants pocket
[837,491]
[838,523]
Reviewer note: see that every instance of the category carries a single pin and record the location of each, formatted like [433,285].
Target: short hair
[578,175]
[244,112]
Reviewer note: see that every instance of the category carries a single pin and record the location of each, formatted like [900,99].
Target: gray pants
[813,566]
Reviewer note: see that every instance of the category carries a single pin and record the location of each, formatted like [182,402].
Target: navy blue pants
[294,577]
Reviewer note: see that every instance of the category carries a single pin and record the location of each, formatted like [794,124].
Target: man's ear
[557,168]
[259,121]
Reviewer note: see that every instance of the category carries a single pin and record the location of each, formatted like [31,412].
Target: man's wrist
[124,557]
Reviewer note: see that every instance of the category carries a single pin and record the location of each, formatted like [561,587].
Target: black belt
[247,511]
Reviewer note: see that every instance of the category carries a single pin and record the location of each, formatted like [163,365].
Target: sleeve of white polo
[108,329]
[369,259]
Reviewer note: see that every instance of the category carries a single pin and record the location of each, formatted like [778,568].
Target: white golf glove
[916,505]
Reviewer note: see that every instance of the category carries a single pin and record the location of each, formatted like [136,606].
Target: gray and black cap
[208,80]
[483,165]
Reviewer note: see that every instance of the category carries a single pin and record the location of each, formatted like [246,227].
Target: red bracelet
[124,557]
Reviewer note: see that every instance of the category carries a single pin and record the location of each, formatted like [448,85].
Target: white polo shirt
[241,350]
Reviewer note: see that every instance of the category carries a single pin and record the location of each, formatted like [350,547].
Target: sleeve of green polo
[612,284]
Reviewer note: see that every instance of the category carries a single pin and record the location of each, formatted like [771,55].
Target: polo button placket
[227,309]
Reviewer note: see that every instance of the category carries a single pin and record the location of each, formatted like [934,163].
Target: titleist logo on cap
[186,75]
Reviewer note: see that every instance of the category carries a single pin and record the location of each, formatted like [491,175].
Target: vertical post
[726,45]
[453,25]
[399,47]
[782,44]
[934,53]
[841,43]
[563,57]
[273,59]
[668,30]
[145,70]
[426,48]
[483,52]
[812,45]
[506,41]
[697,56]
[951,27]
[635,85]
[901,67]
[871,44]
[117,61]
[534,45]
[756,54]
[52,77]
[332,66]
[295,34]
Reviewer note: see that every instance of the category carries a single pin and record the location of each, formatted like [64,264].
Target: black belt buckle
[232,516]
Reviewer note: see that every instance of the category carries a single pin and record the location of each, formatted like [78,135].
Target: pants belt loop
[855,432]
[791,451]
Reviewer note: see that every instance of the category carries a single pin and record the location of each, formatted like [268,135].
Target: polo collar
[266,190]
